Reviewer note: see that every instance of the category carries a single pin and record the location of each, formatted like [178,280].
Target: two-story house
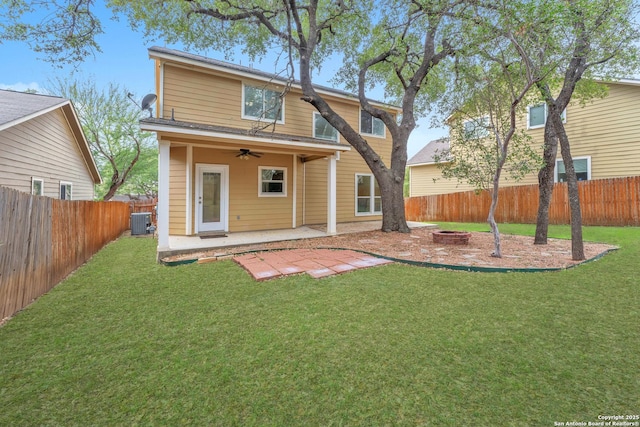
[43,150]
[604,135]
[239,150]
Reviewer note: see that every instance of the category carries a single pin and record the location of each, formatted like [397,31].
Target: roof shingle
[16,105]
[428,152]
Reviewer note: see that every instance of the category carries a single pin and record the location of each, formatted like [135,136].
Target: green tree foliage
[63,31]
[593,39]
[126,156]
[487,101]
[398,43]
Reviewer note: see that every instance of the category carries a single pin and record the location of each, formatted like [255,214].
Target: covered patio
[185,244]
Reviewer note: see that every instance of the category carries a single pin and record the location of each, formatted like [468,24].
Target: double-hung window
[65,190]
[368,199]
[476,128]
[537,116]
[273,181]
[582,165]
[370,125]
[260,103]
[322,129]
[37,186]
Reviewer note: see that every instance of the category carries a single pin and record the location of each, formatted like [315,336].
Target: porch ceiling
[232,138]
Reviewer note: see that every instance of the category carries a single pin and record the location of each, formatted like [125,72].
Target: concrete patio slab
[185,244]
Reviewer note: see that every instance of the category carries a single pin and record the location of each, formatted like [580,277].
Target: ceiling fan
[245,153]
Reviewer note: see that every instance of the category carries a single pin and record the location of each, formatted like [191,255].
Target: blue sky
[124,60]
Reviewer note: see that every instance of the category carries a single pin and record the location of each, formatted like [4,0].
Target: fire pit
[447,237]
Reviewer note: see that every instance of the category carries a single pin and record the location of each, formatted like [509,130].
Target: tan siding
[316,191]
[300,193]
[607,130]
[248,211]
[210,97]
[177,191]
[422,184]
[44,147]
[350,164]
[197,97]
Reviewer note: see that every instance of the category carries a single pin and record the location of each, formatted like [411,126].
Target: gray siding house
[43,150]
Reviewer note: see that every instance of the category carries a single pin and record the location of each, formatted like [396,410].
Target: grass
[125,341]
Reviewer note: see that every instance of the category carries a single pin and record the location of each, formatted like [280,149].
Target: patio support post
[163,195]
[331,194]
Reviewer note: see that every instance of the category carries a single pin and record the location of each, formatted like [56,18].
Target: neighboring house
[238,152]
[604,135]
[43,150]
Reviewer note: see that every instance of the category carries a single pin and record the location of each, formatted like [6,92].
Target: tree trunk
[491,218]
[497,250]
[545,184]
[577,245]
[392,195]
[112,189]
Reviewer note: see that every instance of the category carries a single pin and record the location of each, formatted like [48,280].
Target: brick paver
[315,262]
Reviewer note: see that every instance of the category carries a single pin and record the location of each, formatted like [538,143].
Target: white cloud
[21,87]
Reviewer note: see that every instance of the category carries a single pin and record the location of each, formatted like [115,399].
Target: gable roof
[157,52]
[19,107]
[428,152]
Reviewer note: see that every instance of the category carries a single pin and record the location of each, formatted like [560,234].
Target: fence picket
[614,202]
[42,240]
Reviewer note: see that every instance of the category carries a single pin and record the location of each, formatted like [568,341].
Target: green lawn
[125,341]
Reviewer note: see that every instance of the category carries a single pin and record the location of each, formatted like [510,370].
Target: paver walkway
[315,262]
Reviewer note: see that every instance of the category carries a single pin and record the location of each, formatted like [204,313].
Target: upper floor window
[537,116]
[476,128]
[37,186]
[582,165]
[273,181]
[371,125]
[65,190]
[322,129]
[262,104]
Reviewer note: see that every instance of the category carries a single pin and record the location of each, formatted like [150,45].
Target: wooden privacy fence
[614,202]
[142,206]
[42,240]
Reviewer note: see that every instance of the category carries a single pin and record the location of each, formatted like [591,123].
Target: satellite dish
[148,101]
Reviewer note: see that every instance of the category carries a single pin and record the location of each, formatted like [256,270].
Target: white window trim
[33,181]
[588,158]
[284,184]
[260,119]
[384,127]
[563,115]
[477,119]
[70,184]
[372,197]
[313,124]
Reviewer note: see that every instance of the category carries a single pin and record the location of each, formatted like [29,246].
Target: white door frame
[224,197]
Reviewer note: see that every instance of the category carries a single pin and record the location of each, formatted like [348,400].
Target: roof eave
[85,149]
[155,54]
[155,126]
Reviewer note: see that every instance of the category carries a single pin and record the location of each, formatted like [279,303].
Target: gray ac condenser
[140,223]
